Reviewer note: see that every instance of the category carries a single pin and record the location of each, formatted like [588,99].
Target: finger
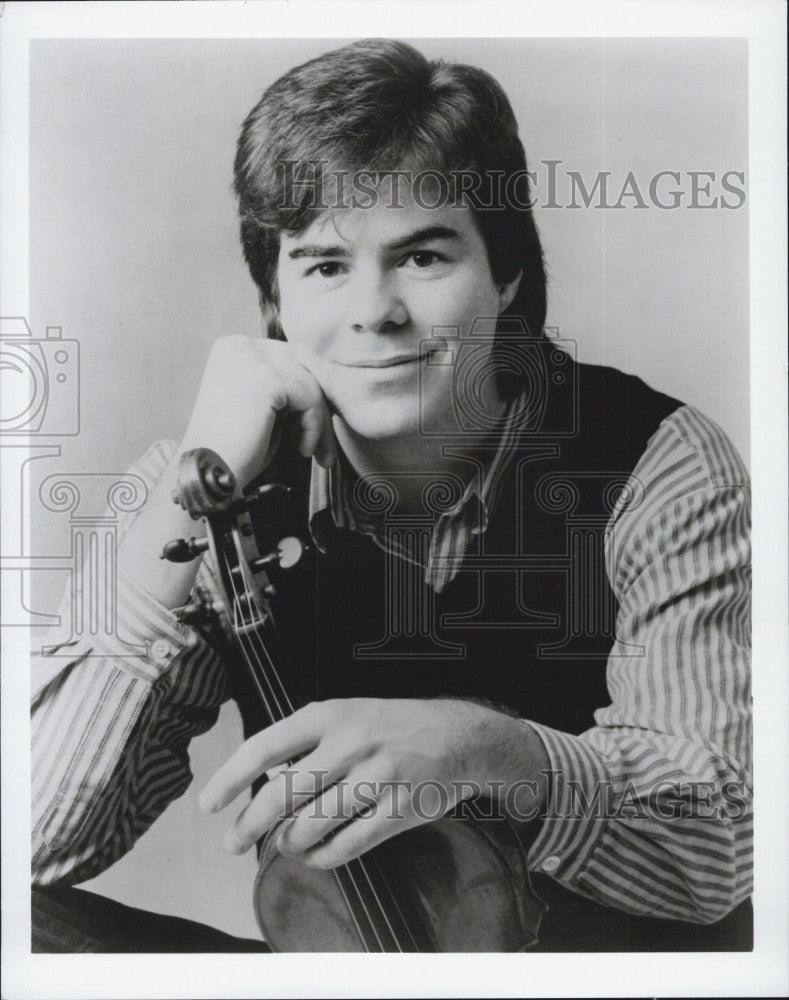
[345,799]
[363,834]
[299,393]
[311,430]
[279,743]
[276,801]
[326,452]
[294,388]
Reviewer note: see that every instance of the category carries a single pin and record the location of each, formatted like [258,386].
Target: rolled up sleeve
[112,719]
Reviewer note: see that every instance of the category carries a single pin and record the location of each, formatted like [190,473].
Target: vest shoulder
[607,416]
[613,391]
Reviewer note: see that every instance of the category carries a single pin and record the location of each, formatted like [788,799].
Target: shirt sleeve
[110,730]
[651,809]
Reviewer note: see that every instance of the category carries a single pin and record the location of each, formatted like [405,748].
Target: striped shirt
[338,494]
[671,833]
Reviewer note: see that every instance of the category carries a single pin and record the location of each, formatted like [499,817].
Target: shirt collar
[331,504]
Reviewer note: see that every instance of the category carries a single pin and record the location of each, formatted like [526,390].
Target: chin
[382,428]
[380,420]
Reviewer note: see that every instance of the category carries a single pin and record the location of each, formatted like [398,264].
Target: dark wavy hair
[379,105]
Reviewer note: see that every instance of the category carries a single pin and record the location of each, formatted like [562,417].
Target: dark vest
[527,623]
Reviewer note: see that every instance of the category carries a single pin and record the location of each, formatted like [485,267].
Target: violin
[454,884]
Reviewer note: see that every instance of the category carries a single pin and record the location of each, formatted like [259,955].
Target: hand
[392,764]
[248,384]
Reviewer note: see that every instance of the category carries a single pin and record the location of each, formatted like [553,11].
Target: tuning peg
[199,611]
[290,550]
[181,550]
[195,613]
[287,554]
[267,492]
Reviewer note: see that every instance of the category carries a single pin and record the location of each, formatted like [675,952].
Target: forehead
[386,222]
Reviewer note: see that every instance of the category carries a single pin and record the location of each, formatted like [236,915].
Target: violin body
[457,884]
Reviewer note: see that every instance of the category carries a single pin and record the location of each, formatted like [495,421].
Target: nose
[376,304]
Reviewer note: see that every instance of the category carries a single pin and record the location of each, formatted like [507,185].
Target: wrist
[159,522]
[511,764]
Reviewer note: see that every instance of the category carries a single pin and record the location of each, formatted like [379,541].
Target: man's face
[362,290]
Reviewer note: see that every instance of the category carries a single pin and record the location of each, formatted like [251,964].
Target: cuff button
[551,863]
[161,650]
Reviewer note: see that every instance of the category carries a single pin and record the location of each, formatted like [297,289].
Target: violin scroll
[206,484]
[208,490]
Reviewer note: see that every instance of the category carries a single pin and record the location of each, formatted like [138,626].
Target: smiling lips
[400,359]
[391,362]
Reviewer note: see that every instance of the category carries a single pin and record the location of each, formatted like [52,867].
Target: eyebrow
[417,236]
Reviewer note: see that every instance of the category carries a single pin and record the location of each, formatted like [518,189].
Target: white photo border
[762,972]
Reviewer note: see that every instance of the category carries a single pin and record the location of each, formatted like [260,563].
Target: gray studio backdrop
[134,252]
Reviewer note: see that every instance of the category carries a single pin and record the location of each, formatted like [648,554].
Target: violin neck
[270,668]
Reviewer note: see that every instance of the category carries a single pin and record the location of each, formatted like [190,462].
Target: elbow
[722,877]
[712,910]
[49,865]
[733,889]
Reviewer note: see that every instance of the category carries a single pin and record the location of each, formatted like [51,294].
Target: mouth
[394,360]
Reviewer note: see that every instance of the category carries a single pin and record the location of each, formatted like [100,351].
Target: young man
[528,577]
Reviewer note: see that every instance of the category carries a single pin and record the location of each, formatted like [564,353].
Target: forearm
[160,521]
[112,715]
[109,738]
[646,822]
[91,746]
[506,761]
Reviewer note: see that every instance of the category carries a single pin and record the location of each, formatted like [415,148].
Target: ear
[507,291]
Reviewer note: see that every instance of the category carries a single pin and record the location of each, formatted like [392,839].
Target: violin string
[384,887]
[254,654]
[258,672]
[359,863]
[354,884]
[262,681]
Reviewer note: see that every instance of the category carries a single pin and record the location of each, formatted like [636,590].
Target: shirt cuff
[573,822]
[148,640]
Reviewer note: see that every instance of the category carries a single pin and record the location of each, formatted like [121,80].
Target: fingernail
[283,848]
[207,803]
[233,844]
[280,843]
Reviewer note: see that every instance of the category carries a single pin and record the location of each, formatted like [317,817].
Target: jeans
[74,920]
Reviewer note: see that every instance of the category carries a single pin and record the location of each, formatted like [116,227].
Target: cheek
[482,294]
[458,302]
[306,326]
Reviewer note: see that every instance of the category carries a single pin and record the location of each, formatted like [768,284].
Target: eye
[326,269]
[424,258]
